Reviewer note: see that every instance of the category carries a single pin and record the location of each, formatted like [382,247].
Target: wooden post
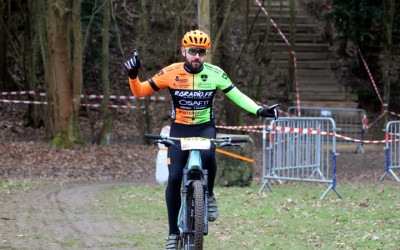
[203,8]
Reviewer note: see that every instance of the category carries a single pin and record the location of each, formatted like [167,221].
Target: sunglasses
[194,51]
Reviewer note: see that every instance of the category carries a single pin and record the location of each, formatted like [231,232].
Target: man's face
[194,56]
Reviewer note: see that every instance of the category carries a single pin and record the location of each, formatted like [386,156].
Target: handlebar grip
[238,139]
[151,136]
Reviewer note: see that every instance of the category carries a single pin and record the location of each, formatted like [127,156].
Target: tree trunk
[105,133]
[77,61]
[142,118]
[203,7]
[292,80]
[389,7]
[5,77]
[41,23]
[64,115]
[35,114]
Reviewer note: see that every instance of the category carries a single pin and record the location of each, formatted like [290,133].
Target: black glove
[133,65]
[272,111]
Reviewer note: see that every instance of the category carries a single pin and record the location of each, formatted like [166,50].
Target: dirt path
[57,217]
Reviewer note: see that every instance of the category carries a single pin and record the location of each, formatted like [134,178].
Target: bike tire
[195,211]
[198,194]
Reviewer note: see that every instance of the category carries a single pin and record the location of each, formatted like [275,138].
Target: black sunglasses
[194,51]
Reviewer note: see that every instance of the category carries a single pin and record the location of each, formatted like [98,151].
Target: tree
[105,133]
[389,8]
[66,79]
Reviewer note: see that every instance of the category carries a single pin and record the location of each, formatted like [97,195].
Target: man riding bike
[192,85]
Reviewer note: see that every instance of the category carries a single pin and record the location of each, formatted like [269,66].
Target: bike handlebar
[222,139]
[236,139]
[151,136]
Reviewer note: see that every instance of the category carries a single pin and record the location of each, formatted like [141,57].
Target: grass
[293,217]
[15,185]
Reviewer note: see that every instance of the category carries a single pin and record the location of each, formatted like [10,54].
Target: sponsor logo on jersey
[181,80]
[225,76]
[191,103]
[193,94]
[204,78]
[160,73]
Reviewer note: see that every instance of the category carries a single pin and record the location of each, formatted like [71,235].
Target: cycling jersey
[192,95]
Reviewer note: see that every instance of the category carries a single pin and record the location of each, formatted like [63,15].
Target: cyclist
[192,86]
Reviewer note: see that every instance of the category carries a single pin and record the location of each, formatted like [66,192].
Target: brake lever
[166,142]
[224,144]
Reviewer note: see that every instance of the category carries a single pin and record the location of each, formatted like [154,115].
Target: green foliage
[357,20]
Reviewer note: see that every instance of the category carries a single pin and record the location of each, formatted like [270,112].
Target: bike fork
[205,184]
[183,227]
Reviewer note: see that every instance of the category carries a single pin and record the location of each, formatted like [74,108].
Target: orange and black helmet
[196,38]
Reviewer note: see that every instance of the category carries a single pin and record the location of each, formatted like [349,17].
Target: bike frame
[192,175]
[193,172]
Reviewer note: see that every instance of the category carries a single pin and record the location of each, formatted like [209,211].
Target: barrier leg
[383,176]
[360,146]
[266,182]
[331,187]
[387,164]
[394,175]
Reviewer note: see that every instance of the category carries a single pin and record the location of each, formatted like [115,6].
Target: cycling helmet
[196,38]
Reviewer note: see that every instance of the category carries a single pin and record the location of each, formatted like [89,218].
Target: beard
[195,68]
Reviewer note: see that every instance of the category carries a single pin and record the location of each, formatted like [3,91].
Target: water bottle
[162,166]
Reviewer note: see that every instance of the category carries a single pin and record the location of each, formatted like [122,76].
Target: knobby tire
[195,209]
[198,214]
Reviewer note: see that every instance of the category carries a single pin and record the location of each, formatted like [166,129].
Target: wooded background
[66,48]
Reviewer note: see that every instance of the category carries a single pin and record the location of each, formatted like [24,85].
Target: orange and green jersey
[192,95]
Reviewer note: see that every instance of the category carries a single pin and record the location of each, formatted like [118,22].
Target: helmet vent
[196,38]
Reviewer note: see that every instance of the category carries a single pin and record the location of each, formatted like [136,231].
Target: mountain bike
[193,214]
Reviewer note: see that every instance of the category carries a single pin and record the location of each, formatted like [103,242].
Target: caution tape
[110,106]
[23,93]
[392,113]
[282,129]
[25,102]
[82,104]
[290,51]
[370,75]
[115,97]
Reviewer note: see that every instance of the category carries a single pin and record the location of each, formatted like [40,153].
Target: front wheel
[195,216]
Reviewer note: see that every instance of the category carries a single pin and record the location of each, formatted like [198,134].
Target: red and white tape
[290,51]
[23,93]
[122,97]
[88,105]
[24,102]
[303,131]
[370,75]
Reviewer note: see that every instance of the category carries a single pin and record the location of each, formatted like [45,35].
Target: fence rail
[350,122]
[392,148]
[300,157]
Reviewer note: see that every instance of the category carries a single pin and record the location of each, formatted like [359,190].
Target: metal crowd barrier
[350,122]
[300,156]
[392,148]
